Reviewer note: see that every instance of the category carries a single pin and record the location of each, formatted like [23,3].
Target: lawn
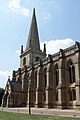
[19,116]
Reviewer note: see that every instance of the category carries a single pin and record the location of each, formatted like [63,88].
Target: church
[44,82]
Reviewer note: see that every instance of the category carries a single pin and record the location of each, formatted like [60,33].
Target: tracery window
[71,73]
[56,74]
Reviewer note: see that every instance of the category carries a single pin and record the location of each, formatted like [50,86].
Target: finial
[21,48]
[8,77]
[13,73]
[45,48]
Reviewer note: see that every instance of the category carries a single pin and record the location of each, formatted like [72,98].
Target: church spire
[32,53]
[33,38]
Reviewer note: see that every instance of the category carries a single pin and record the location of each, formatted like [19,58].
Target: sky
[58,25]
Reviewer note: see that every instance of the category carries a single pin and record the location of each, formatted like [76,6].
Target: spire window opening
[24,61]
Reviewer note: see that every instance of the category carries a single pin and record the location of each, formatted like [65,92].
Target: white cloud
[14,5]
[53,46]
[4,77]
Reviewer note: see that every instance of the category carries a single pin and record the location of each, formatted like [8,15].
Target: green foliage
[19,116]
[1,95]
[1,90]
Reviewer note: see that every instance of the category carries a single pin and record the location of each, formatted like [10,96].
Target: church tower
[32,52]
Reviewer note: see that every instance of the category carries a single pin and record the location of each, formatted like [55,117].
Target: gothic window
[56,74]
[24,61]
[35,79]
[44,96]
[71,73]
[74,94]
[73,70]
[56,78]
[25,82]
[70,95]
[45,76]
[34,96]
[56,96]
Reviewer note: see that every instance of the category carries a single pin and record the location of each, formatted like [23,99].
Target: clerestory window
[71,73]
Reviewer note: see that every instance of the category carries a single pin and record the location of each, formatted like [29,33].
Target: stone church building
[50,82]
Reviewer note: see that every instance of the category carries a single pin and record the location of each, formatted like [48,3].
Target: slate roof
[16,86]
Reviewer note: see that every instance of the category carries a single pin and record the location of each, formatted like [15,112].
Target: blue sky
[58,23]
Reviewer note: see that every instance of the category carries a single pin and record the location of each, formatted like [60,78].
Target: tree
[1,94]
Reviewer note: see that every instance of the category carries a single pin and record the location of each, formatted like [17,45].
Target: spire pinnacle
[33,37]
[34,11]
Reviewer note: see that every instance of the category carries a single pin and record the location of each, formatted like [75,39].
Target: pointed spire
[33,38]
[34,12]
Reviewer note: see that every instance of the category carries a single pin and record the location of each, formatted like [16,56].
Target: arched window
[35,78]
[74,94]
[56,95]
[24,61]
[56,74]
[45,77]
[70,77]
[70,95]
[44,96]
[34,96]
[71,70]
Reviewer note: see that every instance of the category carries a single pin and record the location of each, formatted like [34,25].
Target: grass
[19,116]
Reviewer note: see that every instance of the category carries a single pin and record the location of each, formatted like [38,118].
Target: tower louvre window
[24,61]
